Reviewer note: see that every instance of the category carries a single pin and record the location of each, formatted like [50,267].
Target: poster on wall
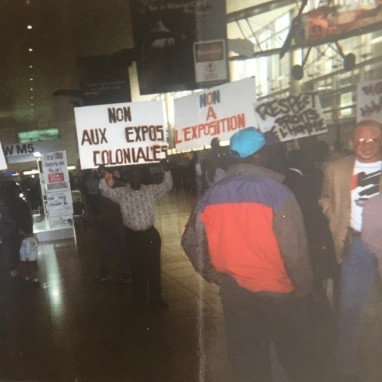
[57,186]
[216,112]
[369,100]
[291,117]
[210,61]
[121,134]
[3,163]
[164,35]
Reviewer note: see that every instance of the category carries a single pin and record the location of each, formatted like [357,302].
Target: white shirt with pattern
[137,206]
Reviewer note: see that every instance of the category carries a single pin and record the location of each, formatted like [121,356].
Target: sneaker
[103,277]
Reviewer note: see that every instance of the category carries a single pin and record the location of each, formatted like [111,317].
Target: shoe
[103,277]
[159,305]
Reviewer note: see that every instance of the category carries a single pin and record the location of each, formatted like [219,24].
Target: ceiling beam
[357,32]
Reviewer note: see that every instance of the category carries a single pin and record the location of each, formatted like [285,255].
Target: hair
[368,122]
[110,170]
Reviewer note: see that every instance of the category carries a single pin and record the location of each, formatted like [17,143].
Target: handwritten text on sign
[120,134]
[217,112]
[369,100]
[292,117]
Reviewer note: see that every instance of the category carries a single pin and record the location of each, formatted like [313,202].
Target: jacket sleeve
[114,194]
[7,224]
[194,244]
[289,229]
[326,198]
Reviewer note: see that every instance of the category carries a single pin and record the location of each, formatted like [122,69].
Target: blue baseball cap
[247,142]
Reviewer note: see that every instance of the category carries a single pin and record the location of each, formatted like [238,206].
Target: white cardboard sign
[291,117]
[369,101]
[3,163]
[217,112]
[120,134]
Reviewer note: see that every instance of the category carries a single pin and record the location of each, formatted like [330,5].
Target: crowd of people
[270,227]
[269,241]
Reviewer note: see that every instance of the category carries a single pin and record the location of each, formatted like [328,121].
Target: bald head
[367,141]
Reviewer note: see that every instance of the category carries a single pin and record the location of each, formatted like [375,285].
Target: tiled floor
[74,329]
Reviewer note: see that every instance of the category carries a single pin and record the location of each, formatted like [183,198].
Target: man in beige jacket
[349,183]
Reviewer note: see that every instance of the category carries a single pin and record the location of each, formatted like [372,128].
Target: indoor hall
[123,82]
[73,328]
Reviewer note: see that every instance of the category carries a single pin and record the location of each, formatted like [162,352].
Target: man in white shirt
[137,202]
[349,183]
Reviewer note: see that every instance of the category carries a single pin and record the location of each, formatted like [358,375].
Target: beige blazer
[336,200]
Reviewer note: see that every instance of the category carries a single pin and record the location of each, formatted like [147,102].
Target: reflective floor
[73,328]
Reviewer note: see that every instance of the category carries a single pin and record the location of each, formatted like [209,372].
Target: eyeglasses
[366,141]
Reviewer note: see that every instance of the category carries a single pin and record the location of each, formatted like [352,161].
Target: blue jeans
[357,276]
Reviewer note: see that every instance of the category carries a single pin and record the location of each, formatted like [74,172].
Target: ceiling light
[31,89]
[30,66]
[31,79]
[31,97]
[29,26]
[30,49]
[31,104]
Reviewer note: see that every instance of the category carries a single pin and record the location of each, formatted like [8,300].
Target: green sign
[38,135]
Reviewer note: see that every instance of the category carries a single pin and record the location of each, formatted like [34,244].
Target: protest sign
[369,100]
[292,117]
[217,112]
[57,186]
[3,163]
[120,134]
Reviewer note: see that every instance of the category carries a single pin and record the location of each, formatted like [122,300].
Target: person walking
[348,185]
[247,235]
[112,233]
[137,202]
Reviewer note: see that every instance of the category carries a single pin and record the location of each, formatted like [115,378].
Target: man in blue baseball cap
[247,235]
[247,142]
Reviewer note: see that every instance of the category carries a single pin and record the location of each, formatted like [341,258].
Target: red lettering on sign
[211,113]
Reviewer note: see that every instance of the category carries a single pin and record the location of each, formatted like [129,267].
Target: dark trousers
[252,320]
[144,251]
[113,238]
[358,273]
